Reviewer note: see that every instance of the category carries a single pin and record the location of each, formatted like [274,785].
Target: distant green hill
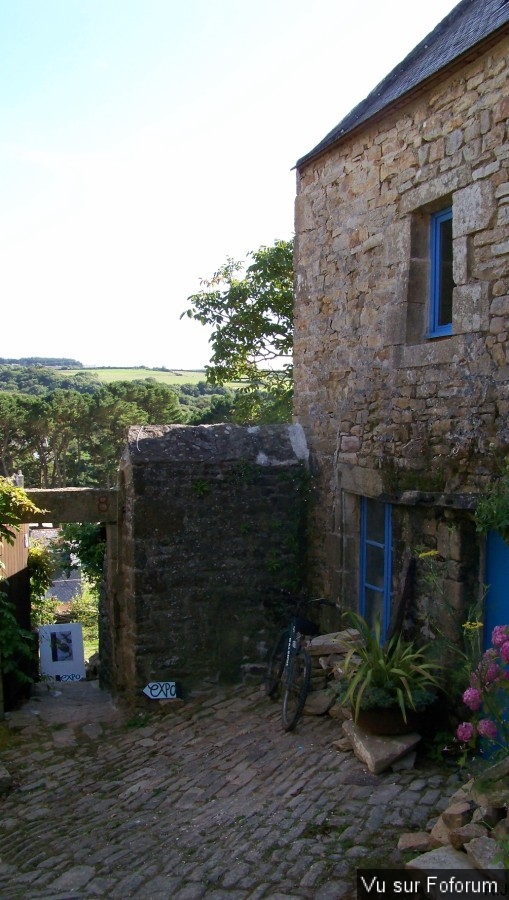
[49,362]
[162,376]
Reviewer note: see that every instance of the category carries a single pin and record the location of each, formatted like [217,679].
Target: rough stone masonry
[212,522]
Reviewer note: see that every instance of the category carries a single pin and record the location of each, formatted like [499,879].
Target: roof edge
[451,66]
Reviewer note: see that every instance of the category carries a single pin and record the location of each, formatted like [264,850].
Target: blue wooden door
[496,611]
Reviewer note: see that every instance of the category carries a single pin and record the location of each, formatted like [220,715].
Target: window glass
[375,521]
[375,566]
[374,608]
[375,562]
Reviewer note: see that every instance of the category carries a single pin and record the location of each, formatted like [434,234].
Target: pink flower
[487,729]
[472,697]
[465,732]
[504,652]
[500,635]
[492,673]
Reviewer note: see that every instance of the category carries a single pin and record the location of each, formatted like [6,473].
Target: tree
[11,434]
[251,314]
[158,401]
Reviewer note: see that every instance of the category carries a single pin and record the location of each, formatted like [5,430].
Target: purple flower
[500,635]
[487,729]
[465,732]
[472,697]
[504,652]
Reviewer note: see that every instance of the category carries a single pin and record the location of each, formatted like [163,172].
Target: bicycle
[289,665]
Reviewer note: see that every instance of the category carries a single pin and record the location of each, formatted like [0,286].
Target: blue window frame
[376,562]
[441,280]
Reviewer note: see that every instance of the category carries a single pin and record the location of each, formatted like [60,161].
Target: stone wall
[211,521]
[384,409]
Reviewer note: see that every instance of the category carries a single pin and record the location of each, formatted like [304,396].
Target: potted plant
[390,686]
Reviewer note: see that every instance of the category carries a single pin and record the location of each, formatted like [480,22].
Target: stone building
[402,325]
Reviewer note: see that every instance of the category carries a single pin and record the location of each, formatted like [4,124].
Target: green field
[175,376]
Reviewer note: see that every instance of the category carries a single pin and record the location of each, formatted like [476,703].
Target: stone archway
[83,505]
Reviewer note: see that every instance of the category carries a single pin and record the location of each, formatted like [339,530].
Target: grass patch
[7,738]
[139,720]
[325,828]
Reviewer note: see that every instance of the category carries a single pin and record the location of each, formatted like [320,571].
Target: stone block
[379,753]
[471,308]
[319,702]
[458,814]
[417,841]
[334,643]
[473,208]
[439,834]
[440,858]
[458,837]
[482,852]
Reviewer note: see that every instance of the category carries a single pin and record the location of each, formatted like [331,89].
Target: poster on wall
[61,653]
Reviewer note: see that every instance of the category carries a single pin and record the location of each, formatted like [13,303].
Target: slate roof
[465,28]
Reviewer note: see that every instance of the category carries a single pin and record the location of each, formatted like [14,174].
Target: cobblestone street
[213,800]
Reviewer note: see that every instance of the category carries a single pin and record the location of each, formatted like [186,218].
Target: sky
[145,142]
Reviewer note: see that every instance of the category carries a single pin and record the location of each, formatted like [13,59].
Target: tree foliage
[42,570]
[16,644]
[492,510]
[85,541]
[250,311]
[14,508]
[66,438]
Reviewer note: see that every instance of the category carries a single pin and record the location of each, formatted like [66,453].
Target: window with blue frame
[375,562]
[441,278]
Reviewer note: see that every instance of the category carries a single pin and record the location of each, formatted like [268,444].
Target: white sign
[61,653]
[161,690]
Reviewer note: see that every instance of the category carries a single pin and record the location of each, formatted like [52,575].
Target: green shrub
[84,608]
[41,568]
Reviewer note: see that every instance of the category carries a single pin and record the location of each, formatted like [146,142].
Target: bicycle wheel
[275,666]
[296,679]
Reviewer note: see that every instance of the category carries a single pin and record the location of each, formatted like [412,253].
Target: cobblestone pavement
[213,800]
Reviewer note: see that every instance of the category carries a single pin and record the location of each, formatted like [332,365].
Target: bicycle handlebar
[322,601]
[303,601]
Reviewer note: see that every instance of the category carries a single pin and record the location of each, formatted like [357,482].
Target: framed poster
[61,653]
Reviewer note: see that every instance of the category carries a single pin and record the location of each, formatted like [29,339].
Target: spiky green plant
[398,670]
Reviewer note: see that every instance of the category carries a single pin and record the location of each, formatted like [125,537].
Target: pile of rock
[468,833]
[328,653]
